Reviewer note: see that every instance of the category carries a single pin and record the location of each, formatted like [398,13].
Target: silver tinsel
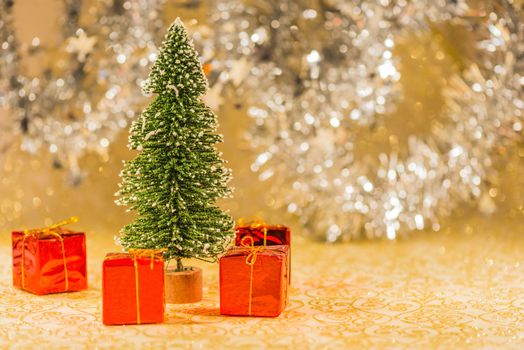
[82,106]
[315,73]
[492,91]
[487,100]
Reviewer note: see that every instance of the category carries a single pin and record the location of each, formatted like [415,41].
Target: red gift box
[133,287]
[253,281]
[49,260]
[265,235]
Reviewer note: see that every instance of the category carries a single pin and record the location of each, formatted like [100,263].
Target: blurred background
[346,119]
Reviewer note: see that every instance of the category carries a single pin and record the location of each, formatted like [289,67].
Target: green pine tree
[174,181]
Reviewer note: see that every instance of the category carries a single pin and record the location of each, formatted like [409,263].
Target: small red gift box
[133,287]
[254,281]
[49,260]
[265,235]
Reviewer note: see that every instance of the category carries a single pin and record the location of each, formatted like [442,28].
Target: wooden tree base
[183,286]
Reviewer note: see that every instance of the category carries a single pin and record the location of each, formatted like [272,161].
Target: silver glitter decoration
[312,73]
[82,107]
[8,57]
[487,100]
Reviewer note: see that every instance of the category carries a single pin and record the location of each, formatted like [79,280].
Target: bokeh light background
[34,192]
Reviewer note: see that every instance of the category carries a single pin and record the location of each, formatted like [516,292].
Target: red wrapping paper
[43,261]
[274,235]
[269,285]
[119,298]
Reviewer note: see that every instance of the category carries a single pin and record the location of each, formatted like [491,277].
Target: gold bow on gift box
[52,230]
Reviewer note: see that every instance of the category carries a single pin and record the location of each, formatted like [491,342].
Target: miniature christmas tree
[177,176]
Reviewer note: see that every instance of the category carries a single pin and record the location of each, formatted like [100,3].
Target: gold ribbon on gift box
[251,258]
[52,230]
[151,254]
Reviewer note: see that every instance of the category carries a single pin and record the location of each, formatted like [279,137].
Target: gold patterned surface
[463,288]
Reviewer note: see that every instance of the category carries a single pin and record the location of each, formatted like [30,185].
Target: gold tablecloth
[458,289]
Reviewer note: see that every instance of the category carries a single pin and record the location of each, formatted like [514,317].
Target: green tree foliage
[174,181]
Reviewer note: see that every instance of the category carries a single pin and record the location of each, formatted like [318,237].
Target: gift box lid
[41,235]
[268,227]
[276,250]
[117,258]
